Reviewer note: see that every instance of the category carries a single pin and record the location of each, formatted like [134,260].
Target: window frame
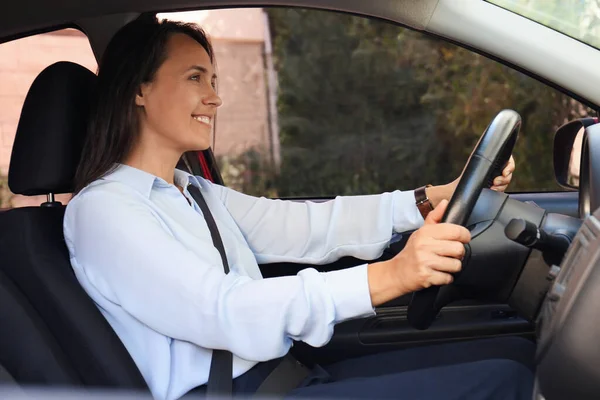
[530,18]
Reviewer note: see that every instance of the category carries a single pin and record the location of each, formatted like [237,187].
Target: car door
[327,104]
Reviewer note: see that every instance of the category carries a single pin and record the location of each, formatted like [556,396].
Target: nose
[213,99]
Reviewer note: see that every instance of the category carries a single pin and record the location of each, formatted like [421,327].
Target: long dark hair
[131,58]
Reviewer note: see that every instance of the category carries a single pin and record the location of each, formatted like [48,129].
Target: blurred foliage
[248,172]
[366,106]
[5,193]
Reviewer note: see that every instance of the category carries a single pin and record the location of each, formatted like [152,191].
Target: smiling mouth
[202,119]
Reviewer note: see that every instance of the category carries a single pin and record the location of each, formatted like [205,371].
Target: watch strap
[422,201]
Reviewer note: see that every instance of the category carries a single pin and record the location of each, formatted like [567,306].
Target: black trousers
[500,368]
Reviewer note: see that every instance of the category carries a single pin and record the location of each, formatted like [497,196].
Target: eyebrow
[201,69]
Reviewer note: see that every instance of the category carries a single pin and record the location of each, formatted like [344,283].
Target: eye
[195,77]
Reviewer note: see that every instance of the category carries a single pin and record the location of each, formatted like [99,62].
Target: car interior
[530,269]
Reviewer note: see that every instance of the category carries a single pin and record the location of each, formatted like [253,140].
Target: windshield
[579,19]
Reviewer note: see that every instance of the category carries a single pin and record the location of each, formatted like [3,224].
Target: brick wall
[242,120]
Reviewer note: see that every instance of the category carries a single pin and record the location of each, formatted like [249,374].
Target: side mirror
[567,151]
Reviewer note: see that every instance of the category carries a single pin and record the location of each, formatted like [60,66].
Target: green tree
[466,90]
[350,114]
[5,194]
[366,106]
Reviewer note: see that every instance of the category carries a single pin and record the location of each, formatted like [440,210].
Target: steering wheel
[491,154]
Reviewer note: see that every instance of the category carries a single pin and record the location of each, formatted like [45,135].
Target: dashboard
[568,354]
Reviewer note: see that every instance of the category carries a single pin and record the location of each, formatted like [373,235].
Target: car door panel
[389,330]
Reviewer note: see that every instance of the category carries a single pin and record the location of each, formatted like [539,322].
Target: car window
[319,104]
[579,19]
[21,61]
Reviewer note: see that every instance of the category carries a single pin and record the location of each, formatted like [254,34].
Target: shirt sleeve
[320,233]
[123,251]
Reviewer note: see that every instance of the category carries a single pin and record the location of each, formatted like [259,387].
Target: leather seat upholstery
[33,255]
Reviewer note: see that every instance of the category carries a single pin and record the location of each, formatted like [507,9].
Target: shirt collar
[144,182]
[184,179]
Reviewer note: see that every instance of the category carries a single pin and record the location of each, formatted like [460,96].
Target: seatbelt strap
[286,376]
[6,379]
[220,377]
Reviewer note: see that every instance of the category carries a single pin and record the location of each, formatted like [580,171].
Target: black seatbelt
[288,374]
[6,379]
[220,377]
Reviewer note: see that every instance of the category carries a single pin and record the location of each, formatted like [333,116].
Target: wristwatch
[422,201]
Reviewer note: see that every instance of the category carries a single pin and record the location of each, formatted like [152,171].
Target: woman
[142,250]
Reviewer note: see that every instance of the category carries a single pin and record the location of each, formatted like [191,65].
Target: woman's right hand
[431,255]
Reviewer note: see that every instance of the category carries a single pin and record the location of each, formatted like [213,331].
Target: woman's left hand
[501,182]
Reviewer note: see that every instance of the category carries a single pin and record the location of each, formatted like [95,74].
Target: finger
[502,180]
[501,188]
[438,278]
[450,232]
[510,167]
[446,264]
[448,248]
[435,216]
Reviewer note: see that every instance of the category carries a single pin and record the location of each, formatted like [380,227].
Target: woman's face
[177,109]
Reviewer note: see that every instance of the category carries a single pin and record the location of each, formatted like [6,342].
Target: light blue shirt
[145,256]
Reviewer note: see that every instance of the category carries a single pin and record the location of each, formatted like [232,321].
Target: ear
[142,93]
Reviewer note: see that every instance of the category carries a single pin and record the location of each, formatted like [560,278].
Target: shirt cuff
[406,215]
[349,289]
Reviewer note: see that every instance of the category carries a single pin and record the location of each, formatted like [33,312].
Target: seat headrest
[51,130]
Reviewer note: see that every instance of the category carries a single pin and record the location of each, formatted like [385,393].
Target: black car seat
[29,353]
[33,254]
